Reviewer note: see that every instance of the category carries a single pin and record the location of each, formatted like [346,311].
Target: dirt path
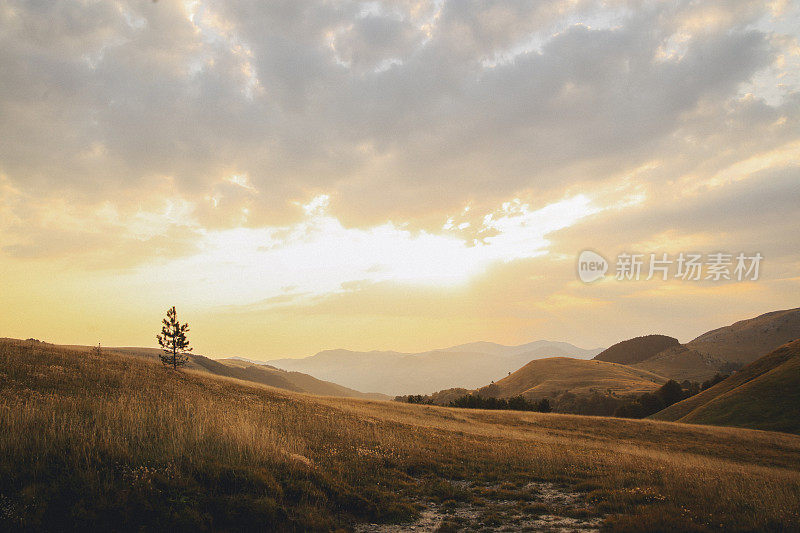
[537,506]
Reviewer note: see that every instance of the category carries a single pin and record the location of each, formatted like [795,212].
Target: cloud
[185,136]
[247,266]
[752,214]
[392,108]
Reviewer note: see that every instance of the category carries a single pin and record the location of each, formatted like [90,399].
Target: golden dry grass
[118,443]
[543,378]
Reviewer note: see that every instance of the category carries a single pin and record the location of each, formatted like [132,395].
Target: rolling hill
[680,363]
[466,366]
[246,371]
[710,353]
[747,340]
[663,355]
[117,443]
[763,395]
[546,377]
[637,349]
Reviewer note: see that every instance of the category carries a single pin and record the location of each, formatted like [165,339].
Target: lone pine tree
[173,340]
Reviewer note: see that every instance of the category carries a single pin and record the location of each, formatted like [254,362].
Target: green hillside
[771,402]
[763,395]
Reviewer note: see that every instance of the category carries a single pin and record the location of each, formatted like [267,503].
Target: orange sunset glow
[335,204]
[376,266]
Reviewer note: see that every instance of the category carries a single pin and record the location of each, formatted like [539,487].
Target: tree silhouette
[652,403]
[544,406]
[670,392]
[173,341]
[630,410]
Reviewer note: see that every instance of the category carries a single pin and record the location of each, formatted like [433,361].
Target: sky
[404,175]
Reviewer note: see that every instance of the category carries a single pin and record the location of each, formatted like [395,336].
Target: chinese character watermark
[716,266]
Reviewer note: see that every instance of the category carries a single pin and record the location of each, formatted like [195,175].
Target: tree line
[596,403]
[475,401]
[669,393]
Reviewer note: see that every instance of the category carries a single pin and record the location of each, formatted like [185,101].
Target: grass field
[115,442]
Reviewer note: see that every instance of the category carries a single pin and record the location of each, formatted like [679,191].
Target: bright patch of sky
[320,256]
[242,180]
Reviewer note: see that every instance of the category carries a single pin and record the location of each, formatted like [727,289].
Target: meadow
[115,442]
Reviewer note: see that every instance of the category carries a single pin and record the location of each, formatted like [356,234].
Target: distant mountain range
[395,373]
[475,365]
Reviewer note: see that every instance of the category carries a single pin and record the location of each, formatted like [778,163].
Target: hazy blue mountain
[468,365]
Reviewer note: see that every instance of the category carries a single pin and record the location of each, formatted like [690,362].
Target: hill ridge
[237,368]
[637,349]
[770,384]
[542,378]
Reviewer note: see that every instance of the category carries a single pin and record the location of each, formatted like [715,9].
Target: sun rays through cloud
[447,157]
[319,255]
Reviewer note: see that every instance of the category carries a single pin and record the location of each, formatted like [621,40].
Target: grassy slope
[246,371]
[637,349]
[747,340]
[546,377]
[698,360]
[115,442]
[764,395]
[681,363]
[771,402]
[303,382]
